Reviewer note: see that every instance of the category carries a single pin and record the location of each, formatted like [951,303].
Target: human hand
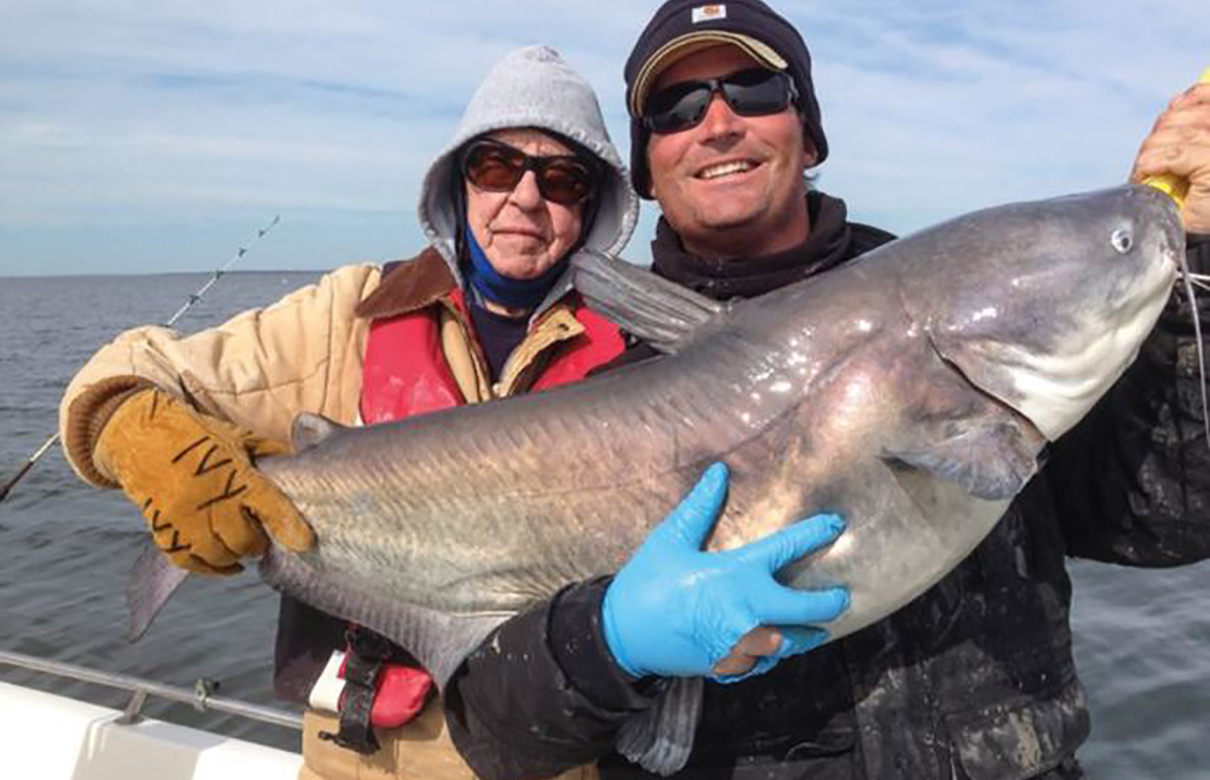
[1179,145]
[193,478]
[674,610]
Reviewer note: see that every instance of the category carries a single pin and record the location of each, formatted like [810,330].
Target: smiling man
[974,679]
[724,126]
[731,185]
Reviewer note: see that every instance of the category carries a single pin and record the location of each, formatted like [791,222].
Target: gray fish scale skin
[487,512]
[950,336]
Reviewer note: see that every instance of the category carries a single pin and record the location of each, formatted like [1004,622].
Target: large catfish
[911,390]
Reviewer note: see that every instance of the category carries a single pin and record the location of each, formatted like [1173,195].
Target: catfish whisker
[1190,279]
[1198,281]
[1199,284]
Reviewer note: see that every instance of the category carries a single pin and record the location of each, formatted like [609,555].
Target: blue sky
[140,136]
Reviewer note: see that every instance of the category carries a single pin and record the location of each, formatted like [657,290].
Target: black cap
[681,27]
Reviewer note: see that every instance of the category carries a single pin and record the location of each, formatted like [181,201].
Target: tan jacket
[305,353]
[263,367]
[258,369]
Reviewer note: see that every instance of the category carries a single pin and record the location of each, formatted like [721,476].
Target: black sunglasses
[751,92]
[494,165]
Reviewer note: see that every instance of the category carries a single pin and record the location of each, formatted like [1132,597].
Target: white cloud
[139,113]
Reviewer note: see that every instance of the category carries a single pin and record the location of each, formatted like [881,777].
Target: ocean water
[66,549]
[1142,637]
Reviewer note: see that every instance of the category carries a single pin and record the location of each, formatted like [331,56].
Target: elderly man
[529,175]
[975,679]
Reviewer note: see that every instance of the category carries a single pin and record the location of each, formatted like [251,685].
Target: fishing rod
[190,302]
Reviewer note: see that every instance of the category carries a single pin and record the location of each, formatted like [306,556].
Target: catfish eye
[1122,240]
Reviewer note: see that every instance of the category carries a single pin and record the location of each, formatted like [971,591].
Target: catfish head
[1043,305]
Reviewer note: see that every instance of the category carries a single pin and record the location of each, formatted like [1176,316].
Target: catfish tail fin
[153,580]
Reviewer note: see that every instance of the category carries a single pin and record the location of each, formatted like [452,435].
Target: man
[177,421]
[975,679]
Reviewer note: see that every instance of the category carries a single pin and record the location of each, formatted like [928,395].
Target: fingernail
[843,597]
[836,524]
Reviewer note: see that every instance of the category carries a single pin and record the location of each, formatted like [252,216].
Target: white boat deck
[51,737]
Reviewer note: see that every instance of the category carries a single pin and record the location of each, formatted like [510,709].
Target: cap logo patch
[709,13]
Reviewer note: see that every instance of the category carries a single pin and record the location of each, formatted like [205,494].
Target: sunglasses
[495,166]
[751,92]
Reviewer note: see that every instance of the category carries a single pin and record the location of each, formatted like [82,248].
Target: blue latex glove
[676,611]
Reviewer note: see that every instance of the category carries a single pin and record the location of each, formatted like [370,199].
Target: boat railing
[201,697]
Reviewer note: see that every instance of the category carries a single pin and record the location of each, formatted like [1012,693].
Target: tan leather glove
[194,480]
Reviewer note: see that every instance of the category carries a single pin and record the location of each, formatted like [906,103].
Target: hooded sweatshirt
[531,87]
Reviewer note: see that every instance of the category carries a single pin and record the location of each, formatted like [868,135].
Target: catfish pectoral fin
[990,459]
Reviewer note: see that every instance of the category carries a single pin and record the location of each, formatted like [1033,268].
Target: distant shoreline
[246,272]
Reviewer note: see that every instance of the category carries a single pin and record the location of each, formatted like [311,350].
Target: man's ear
[809,155]
[655,193]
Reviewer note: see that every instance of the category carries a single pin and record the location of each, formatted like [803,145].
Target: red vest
[406,373]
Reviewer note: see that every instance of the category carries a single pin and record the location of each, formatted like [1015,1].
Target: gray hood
[532,87]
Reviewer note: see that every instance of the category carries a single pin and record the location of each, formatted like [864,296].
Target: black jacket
[974,679]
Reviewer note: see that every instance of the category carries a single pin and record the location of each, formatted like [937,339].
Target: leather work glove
[676,611]
[194,480]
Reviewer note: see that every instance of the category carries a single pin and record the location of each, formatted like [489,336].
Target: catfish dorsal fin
[309,430]
[656,310]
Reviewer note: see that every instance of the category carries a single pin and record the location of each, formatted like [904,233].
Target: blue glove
[676,611]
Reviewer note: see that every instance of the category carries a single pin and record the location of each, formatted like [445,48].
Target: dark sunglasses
[751,92]
[494,165]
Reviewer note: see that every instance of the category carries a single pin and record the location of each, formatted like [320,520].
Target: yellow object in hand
[1175,186]
[194,479]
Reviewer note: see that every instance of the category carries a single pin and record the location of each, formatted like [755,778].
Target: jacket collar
[827,245]
[409,286]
